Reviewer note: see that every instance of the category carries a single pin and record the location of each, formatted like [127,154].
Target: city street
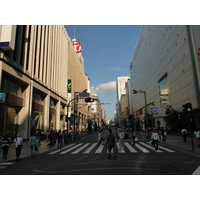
[84,157]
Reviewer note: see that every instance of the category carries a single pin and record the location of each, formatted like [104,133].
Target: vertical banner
[69,86]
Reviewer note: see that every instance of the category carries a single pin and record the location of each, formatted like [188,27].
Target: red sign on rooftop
[77,46]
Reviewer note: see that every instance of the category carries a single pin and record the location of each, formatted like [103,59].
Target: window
[164,90]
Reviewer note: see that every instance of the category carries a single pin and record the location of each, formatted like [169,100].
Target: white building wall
[161,50]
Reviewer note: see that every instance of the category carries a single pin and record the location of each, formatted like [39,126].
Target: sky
[107,52]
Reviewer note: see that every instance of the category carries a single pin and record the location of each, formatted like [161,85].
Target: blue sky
[107,53]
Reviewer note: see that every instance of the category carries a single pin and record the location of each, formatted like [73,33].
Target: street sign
[154,110]
[84,94]
[2,97]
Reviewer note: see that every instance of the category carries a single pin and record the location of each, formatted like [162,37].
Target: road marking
[56,151]
[120,150]
[90,149]
[131,149]
[150,147]
[6,163]
[78,150]
[197,171]
[142,148]
[166,149]
[100,148]
[66,151]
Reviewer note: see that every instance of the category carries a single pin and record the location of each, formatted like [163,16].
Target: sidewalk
[25,152]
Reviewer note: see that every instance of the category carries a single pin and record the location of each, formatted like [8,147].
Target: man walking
[155,138]
[110,143]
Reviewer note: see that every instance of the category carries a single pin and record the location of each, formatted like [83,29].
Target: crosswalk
[86,148]
[5,164]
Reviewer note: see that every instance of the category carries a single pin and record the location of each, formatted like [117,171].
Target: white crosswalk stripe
[121,150]
[131,149]
[150,147]
[74,147]
[142,148]
[99,150]
[56,151]
[90,149]
[87,148]
[3,165]
[78,150]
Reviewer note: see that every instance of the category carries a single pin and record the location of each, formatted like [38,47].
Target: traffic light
[187,107]
[89,100]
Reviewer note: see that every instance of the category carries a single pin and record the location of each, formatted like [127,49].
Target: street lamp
[145,98]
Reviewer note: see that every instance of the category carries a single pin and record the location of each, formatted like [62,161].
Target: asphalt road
[85,158]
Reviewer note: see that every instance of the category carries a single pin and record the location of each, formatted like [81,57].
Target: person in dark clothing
[5,146]
[51,138]
[100,137]
[110,143]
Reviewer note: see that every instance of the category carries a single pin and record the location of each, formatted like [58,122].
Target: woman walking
[33,144]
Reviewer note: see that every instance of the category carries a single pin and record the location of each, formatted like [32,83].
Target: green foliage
[175,120]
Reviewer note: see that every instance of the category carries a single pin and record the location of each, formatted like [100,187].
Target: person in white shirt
[184,133]
[18,143]
[121,139]
[155,138]
[197,136]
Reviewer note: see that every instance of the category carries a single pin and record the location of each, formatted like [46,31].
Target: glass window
[164,91]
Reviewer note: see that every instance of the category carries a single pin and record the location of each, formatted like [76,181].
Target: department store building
[34,63]
[166,66]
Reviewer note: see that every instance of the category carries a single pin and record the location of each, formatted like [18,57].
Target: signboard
[154,110]
[77,46]
[2,97]
[69,86]
[84,94]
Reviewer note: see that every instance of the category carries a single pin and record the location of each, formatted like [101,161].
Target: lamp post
[146,114]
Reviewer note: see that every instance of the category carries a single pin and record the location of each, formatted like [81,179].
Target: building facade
[34,78]
[166,66]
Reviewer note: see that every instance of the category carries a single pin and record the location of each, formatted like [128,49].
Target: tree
[175,119]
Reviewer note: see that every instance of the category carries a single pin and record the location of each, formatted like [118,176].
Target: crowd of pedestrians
[55,138]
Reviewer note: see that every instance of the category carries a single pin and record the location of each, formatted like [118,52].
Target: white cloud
[107,88]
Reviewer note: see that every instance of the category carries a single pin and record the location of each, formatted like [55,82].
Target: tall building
[121,86]
[165,67]
[35,65]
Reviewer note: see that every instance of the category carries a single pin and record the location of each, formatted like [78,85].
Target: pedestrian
[47,135]
[5,146]
[110,143]
[50,138]
[197,136]
[60,139]
[33,144]
[100,137]
[155,138]
[134,136]
[184,133]
[121,139]
[165,136]
[18,144]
